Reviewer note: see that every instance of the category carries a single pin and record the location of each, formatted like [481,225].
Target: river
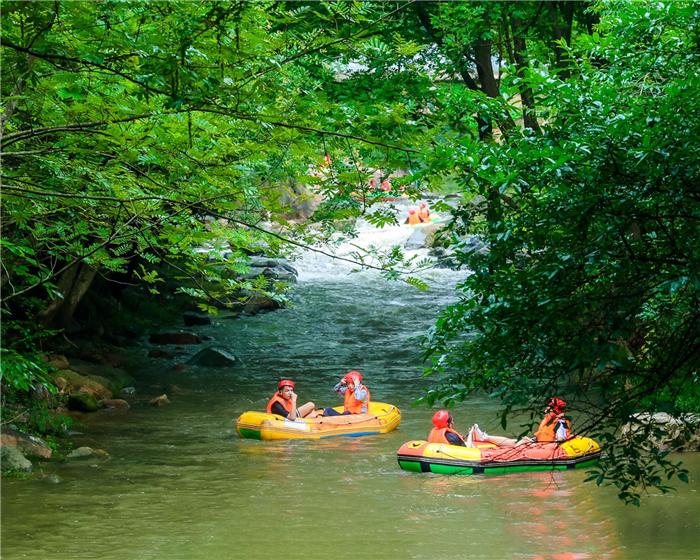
[182,485]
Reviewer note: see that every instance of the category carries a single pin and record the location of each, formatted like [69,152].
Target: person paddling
[413,218]
[423,212]
[284,403]
[356,395]
[553,428]
[443,431]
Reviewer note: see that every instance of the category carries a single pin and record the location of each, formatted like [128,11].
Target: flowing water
[181,484]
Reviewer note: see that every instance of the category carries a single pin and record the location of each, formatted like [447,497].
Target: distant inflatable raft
[382,418]
[439,458]
[434,218]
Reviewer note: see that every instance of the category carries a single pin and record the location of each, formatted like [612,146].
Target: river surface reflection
[182,485]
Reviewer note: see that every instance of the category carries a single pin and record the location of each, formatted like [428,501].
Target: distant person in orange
[284,403]
[413,218]
[386,185]
[553,428]
[423,212]
[372,184]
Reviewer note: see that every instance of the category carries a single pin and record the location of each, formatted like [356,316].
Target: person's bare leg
[306,409]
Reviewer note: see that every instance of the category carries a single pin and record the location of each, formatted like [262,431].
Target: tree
[591,287]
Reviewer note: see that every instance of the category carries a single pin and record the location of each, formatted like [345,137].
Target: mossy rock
[116,376]
[75,381]
[82,402]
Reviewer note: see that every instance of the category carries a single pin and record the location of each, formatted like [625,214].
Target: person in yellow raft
[423,212]
[553,428]
[355,393]
[413,218]
[284,403]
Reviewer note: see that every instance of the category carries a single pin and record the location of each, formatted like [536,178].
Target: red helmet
[441,418]
[354,377]
[556,404]
[284,383]
[411,210]
[422,204]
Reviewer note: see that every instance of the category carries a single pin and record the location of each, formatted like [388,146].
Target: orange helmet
[556,404]
[442,418]
[284,383]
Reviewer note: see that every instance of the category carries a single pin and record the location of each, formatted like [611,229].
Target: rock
[117,376]
[173,389]
[213,356]
[159,401]
[58,361]
[31,446]
[175,338]
[416,241]
[683,434]
[70,381]
[127,391]
[41,392]
[193,319]
[160,353]
[82,402]
[52,479]
[83,453]
[113,403]
[257,302]
[180,367]
[11,459]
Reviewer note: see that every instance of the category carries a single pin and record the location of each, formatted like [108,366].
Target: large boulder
[71,382]
[258,302]
[178,338]
[416,241]
[683,434]
[32,446]
[213,356]
[82,402]
[11,459]
[117,376]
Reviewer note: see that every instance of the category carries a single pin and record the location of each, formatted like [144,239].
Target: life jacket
[276,398]
[354,406]
[413,219]
[546,433]
[424,214]
[439,435]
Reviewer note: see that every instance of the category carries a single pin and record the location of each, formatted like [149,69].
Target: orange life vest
[424,215]
[546,433]
[438,435]
[413,219]
[352,405]
[276,398]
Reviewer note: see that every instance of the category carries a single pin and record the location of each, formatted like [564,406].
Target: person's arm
[340,388]
[293,414]
[279,410]
[360,393]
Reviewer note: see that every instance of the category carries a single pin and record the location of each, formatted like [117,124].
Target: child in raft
[355,393]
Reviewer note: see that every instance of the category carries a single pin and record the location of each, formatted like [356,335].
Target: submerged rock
[113,403]
[179,338]
[213,356]
[159,401]
[193,319]
[11,459]
[83,453]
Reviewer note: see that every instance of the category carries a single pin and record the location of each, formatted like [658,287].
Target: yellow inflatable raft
[380,419]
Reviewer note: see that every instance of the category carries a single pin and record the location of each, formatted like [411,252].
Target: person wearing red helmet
[443,431]
[553,428]
[356,395]
[423,212]
[284,403]
[413,218]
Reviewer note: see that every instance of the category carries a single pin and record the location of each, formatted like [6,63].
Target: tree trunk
[521,63]
[561,32]
[73,285]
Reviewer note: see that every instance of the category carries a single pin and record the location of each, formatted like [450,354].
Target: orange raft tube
[440,458]
[380,419]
